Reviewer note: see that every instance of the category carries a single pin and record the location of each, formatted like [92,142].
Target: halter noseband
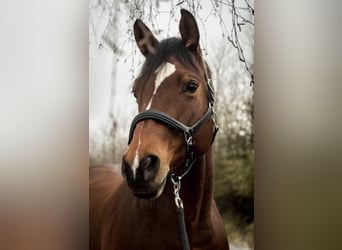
[187,131]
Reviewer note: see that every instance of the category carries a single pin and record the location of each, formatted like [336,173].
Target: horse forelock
[170,47]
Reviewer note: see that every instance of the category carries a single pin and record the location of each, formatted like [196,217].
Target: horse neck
[197,189]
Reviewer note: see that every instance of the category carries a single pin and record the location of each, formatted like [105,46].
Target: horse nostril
[149,166]
[145,163]
[126,170]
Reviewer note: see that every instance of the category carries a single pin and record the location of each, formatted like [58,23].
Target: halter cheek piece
[186,130]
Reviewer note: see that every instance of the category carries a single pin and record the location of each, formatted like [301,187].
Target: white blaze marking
[163,71]
[136,157]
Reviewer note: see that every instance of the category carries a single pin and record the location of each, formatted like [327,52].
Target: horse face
[173,81]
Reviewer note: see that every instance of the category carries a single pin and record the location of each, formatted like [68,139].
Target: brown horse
[170,143]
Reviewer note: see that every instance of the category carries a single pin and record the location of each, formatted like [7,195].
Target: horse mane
[164,50]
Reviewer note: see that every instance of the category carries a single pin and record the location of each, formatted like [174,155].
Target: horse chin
[151,195]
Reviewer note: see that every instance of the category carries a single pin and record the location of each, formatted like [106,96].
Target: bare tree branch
[234,37]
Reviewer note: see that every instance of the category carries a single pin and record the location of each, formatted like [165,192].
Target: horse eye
[190,87]
[134,94]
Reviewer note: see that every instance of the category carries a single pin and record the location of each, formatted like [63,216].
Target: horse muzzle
[141,177]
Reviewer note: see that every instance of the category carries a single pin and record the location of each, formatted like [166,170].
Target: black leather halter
[186,130]
[189,145]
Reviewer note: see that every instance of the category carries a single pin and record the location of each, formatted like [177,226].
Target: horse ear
[189,30]
[144,38]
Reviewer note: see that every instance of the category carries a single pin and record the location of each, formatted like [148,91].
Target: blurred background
[227,40]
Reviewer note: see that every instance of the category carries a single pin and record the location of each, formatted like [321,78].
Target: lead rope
[176,180]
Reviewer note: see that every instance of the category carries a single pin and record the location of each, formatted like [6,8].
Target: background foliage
[234,145]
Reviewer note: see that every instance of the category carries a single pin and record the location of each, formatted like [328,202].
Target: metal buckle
[189,140]
[176,189]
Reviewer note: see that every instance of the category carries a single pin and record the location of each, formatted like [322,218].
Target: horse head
[175,98]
